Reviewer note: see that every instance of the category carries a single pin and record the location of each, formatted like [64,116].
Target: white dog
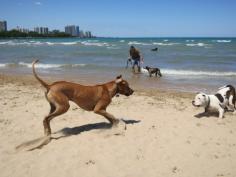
[210,102]
[228,93]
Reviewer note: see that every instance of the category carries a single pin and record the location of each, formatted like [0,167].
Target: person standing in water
[136,56]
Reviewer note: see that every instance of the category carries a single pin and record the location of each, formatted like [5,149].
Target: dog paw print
[90,162]
[175,169]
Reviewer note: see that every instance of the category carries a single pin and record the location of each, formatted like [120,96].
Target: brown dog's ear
[118,79]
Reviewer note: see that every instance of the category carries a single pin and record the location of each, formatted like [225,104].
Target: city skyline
[72,30]
[149,18]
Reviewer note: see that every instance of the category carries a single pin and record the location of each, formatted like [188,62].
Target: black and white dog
[152,71]
[224,99]
[210,103]
[229,95]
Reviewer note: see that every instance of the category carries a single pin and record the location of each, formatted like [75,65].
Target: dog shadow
[65,132]
[207,114]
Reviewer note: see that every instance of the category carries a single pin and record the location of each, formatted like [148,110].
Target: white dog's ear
[119,79]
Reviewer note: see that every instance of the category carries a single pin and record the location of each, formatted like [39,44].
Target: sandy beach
[163,137]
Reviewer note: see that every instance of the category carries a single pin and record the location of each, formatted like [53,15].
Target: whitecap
[197,73]
[188,40]
[192,73]
[197,44]
[164,44]
[68,43]
[40,65]
[138,43]
[223,41]
[5,42]
[3,65]
[99,44]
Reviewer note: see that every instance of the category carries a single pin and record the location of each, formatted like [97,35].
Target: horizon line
[166,37]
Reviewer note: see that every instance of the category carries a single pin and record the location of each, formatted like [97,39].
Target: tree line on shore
[16,34]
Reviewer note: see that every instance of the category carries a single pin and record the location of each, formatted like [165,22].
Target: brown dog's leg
[59,105]
[46,122]
[108,116]
[100,109]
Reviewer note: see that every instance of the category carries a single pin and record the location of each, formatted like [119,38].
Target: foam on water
[188,40]
[32,43]
[200,44]
[137,43]
[192,73]
[223,41]
[41,65]
[44,66]
[99,44]
[164,44]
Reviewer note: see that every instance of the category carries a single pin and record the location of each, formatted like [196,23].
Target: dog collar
[117,90]
[208,104]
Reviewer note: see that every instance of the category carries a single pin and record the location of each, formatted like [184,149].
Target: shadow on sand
[207,114]
[65,132]
[77,130]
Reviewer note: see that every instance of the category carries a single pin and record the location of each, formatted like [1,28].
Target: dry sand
[163,138]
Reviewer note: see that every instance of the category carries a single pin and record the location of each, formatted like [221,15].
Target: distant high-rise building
[77,30]
[41,30]
[3,26]
[81,34]
[72,30]
[23,30]
[88,34]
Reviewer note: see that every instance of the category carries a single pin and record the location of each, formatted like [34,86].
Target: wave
[222,41]
[61,43]
[197,44]
[113,47]
[32,43]
[193,73]
[137,43]
[4,43]
[99,44]
[43,66]
[164,44]
[188,40]
[101,67]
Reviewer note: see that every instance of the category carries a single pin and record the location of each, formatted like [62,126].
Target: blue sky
[127,18]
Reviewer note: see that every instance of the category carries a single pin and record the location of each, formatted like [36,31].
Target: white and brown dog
[210,103]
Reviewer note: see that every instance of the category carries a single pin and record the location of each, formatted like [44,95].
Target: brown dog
[90,98]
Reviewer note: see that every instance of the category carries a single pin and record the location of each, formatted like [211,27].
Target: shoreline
[138,81]
[30,80]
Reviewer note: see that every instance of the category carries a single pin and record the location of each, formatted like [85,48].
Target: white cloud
[38,3]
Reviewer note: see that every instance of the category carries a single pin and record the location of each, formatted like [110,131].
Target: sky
[126,18]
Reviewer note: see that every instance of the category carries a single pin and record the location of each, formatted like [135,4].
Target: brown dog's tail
[36,76]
